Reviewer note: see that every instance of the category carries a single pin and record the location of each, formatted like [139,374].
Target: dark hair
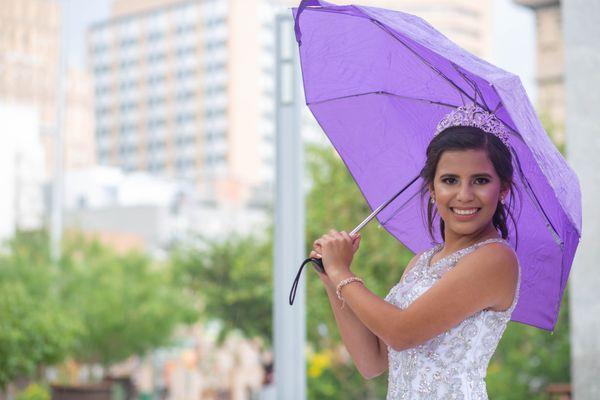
[470,138]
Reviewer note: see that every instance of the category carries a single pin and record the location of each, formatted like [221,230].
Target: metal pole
[56,222]
[582,78]
[289,322]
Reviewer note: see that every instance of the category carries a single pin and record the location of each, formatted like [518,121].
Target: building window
[214,22]
[181,119]
[155,36]
[156,101]
[185,29]
[101,69]
[154,58]
[214,45]
[184,96]
[156,123]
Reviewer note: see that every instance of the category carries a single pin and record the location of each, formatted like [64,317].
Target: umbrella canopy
[379,81]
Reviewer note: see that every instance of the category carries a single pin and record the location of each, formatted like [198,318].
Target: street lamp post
[289,322]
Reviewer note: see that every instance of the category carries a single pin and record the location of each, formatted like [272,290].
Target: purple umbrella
[379,81]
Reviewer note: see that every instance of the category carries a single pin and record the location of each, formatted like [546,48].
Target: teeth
[465,212]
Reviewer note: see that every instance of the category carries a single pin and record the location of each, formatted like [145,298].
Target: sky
[513,35]
[513,42]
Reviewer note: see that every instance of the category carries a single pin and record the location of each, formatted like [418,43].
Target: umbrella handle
[317,264]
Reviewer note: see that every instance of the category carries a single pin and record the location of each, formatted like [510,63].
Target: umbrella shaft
[380,208]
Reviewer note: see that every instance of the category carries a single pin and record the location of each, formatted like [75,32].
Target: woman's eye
[482,181]
[449,181]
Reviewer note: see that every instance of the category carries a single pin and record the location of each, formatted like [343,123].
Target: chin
[465,228]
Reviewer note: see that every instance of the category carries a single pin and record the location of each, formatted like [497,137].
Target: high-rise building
[182,90]
[550,64]
[29,58]
[29,51]
[29,79]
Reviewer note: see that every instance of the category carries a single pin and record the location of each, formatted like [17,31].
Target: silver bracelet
[338,290]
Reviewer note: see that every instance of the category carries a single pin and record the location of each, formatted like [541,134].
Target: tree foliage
[93,305]
[34,330]
[127,304]
[232,280]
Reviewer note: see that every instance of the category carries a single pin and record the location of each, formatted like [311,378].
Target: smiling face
[467,190]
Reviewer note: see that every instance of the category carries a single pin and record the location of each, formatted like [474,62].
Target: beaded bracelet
[338,290]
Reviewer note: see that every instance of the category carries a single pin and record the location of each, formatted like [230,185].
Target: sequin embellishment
[453,364]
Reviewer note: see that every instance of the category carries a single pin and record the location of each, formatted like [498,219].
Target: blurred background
[138,187]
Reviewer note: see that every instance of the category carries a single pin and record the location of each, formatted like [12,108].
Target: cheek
[490,195]
[443,194]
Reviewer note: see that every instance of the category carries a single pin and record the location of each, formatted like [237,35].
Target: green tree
[528,359]
[34,330]
[232,280]
[34,392]
[126,303]
[93,305]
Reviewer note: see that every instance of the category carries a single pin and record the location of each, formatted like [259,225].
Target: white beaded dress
[453,364]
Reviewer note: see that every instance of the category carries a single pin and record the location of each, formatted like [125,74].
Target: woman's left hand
[337,250]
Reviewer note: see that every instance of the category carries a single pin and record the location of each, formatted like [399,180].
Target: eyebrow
[481,174]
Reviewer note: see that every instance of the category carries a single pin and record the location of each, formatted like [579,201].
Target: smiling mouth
[469,211]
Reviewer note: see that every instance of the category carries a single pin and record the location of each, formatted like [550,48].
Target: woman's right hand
[323,277]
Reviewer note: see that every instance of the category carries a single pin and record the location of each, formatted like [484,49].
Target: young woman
[438,327]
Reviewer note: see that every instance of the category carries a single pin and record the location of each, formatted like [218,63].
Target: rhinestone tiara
[475,116]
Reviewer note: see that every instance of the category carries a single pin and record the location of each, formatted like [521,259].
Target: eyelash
[446,179]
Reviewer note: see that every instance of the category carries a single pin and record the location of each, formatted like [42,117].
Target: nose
[465,193]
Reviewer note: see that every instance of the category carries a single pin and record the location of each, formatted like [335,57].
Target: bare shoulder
[491,259]
[496,267]
[495,255]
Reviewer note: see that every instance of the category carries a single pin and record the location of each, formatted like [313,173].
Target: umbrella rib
[381,207]
[514,131]
[397,210]
[424,61]
[468,81]
[441,103]
[536,202]
[500,105]
[472,84]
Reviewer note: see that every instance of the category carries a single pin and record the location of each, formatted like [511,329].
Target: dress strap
[457,255]
[492,240]
[477,245]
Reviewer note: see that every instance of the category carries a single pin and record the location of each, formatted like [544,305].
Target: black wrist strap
[317,263]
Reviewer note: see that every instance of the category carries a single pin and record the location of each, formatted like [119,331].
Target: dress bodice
[453,364]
